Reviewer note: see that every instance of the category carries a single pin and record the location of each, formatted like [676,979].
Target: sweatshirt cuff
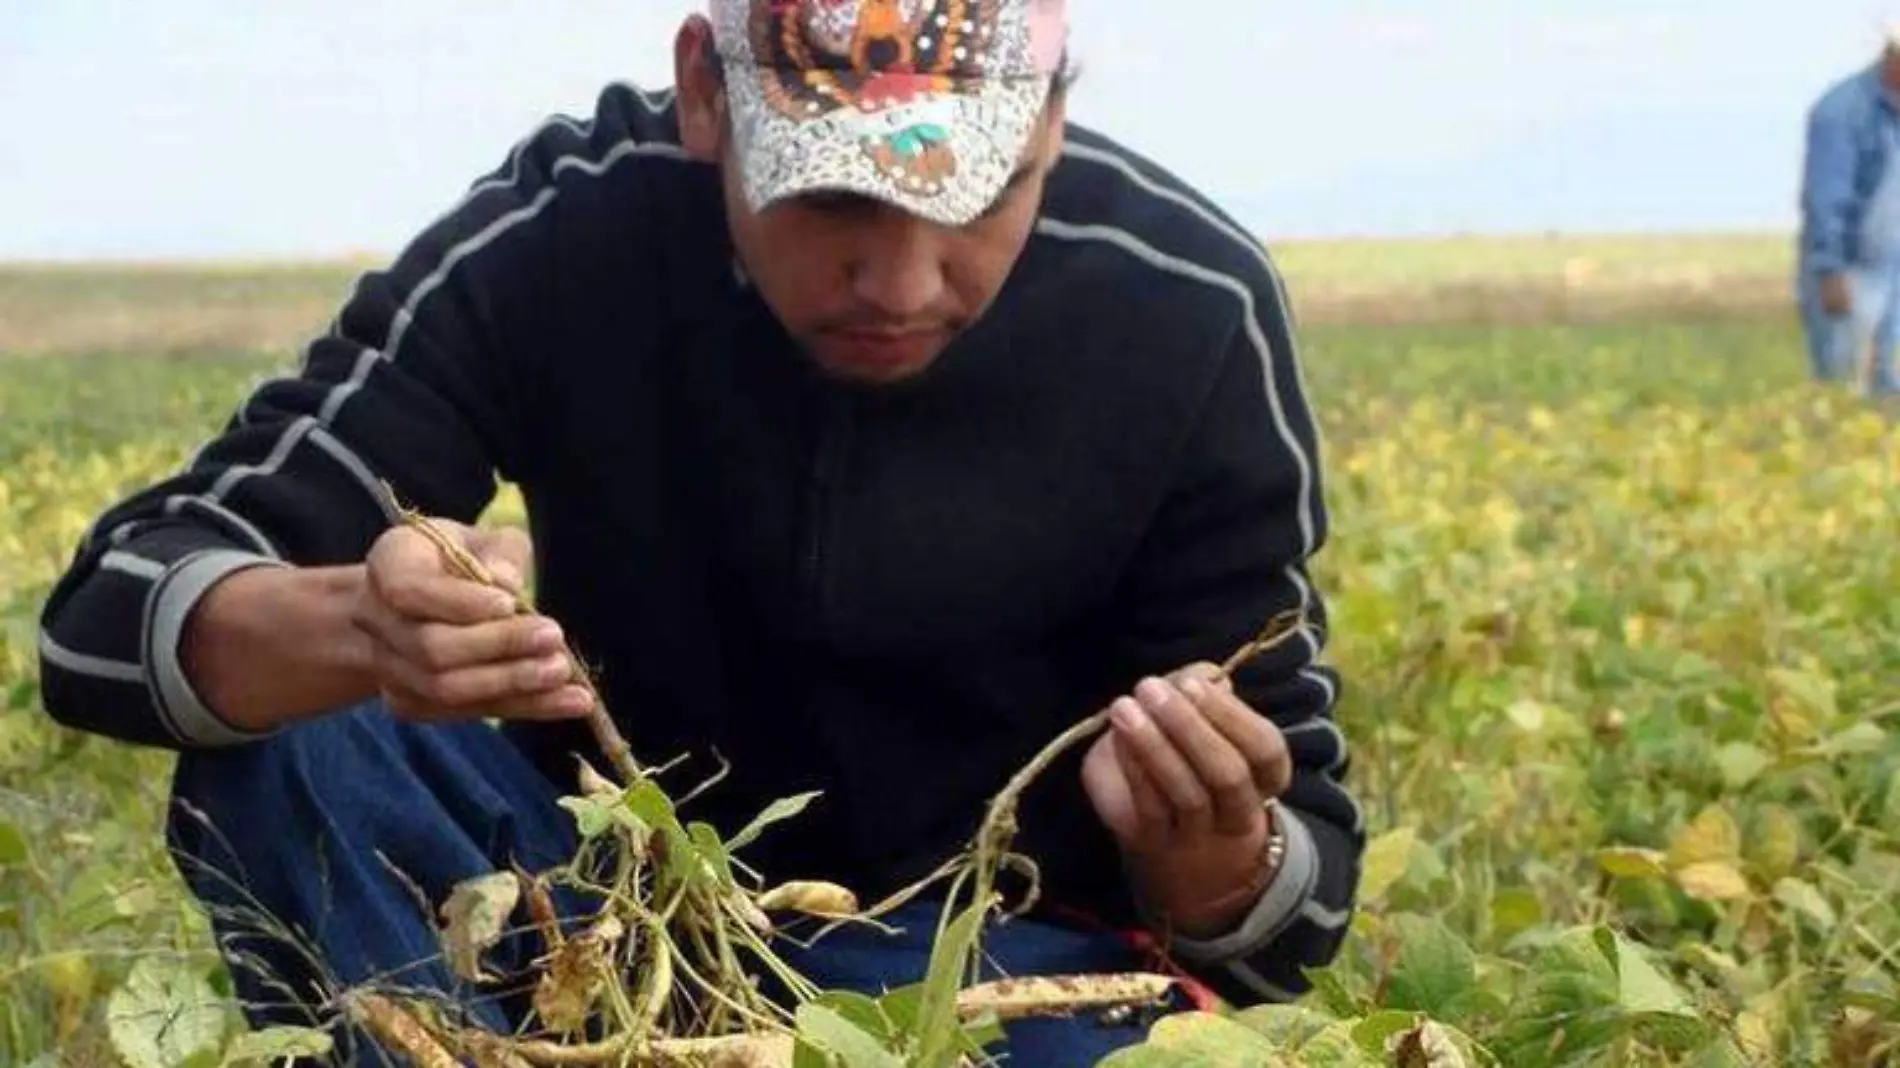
[1279,903]
[167,608]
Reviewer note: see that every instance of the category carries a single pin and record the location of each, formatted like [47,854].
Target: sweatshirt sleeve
[418,382]
[1231,551]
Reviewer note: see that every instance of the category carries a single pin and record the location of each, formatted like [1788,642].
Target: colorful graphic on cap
[928,103]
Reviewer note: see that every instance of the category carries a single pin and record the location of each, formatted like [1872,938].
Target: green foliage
[1615,606]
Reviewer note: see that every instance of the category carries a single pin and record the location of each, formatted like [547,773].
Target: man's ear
[700,95]
[1055,119]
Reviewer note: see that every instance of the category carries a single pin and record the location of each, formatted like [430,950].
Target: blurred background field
[1612,588]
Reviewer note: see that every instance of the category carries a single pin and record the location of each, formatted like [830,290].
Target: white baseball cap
[926,104]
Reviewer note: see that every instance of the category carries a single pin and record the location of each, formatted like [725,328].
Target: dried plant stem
[393,1026]
[464,564]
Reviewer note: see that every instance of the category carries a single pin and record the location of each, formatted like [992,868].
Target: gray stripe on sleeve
[173,598]
[1278,906]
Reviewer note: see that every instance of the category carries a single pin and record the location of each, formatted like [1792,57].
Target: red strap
[1199,995]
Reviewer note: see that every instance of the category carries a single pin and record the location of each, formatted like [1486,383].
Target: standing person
[874,424]
[1848,282]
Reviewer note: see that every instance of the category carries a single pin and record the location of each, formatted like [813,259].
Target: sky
[143,129]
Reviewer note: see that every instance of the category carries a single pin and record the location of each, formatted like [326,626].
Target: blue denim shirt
[1850,211]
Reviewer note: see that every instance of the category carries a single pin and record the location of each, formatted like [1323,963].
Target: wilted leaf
[1385,861]
[1857,1037]
[777,812]
[1713,881]
[164,1015]
[1425,1046]
[593,784]
[474,918]
[1630,862]
[564,996]
[273,1044]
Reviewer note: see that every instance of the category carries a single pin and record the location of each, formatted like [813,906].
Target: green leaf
[1386,858]
[777,812]
[1656,1008]
[1516,910]
[592,817]
[164,1015]
[1640,987]
[1435,970]
[1284,1025]
[937,1005]
[712,852]
[1857,740]
[1375,1031]
[1802,897]
[1740,763]
[654,808]
[1201,1040]
[276,1043]
[1630,862]
[827,1029]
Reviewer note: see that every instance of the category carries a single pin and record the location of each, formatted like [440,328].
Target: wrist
[264,646]
[1219,898]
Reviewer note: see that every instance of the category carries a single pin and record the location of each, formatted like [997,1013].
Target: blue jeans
[1837,343]
[283,842]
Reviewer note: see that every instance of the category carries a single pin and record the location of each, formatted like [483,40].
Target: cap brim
[944,157]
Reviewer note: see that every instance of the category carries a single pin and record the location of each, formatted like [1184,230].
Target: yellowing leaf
[474,918]
[1711,837]
[1385,861]
[1811,692]
[1630,862]
[1713,881]
[1777,846]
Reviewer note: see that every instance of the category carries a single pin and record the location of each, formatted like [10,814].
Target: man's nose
[899,267]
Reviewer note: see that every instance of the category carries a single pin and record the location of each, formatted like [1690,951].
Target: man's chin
[875,362]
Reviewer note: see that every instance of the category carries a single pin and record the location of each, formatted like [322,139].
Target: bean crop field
[1613,593]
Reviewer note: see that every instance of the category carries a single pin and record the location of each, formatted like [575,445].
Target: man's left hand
[1182,779]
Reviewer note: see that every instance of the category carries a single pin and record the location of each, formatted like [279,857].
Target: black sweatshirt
[893,596]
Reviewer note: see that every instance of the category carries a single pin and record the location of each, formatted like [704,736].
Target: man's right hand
[447,648]
[1836,297]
